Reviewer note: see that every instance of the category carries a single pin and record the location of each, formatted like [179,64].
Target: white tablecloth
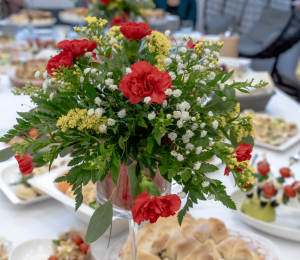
[46,219]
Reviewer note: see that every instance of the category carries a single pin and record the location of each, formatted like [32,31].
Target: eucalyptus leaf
[65,152]
[133,181]
[99,222]
[7,153]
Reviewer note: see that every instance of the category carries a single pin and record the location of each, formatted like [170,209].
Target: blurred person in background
[9,7]
[185,9]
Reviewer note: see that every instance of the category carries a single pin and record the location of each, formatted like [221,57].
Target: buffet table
[46,219]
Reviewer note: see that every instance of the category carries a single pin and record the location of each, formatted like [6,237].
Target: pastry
[27,69]
[3,252]
[24,192]
[200,239]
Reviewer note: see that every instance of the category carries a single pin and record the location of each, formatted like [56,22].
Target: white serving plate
[10,173]
[266,249]
[36,249]
[286,224]
[46,184]
[290,142]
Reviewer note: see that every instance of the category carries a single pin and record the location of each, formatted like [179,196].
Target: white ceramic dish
[71,19]
[286,225]
[36,249]
[290,142]
[46,183]
[10,174]
[265,248]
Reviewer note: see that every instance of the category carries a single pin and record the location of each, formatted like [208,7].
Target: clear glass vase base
[114,250]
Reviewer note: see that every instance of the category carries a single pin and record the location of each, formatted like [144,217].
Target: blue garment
[187,9]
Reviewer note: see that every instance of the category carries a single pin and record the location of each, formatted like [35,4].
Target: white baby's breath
[183,50]
[111,122]
[197,166]
[180,157]
[203,133]
[168,92]
[109,74]
[51,96]
[198,150]
[91,111]
[177,93]
[122,113]
[164,105]
[87,70]
[99,112]
[189,147]
[168,116]
[224,99]
[215,124]
[168,61]
[37,74]
[185,37]
[102,128]
[180,123]
[210,114]
[98,101]
[113,87]
[194,56]
[109,81]
[167,33]
[152,115]
[128,71]
[205,184]
[172,136]
[172,75]
[147,100]
[177,114]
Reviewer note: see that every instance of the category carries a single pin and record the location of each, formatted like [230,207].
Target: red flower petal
[25,164]
[144,81]
[63,59]
[136,31]
[78,47]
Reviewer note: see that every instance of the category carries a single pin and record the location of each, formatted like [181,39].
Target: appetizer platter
[46,184]
[196,239]
[22,74]
[17,187]
[73,16]
[286,225]
[70,245]
[273,133]
[36,18]
[272,204]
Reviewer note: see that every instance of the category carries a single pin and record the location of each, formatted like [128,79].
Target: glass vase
[122,200]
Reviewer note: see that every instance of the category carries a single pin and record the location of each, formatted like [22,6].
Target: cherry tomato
[269,189]
[84,247]
[285,172]
[295,183]
[77,240]
[52,258]
[289,191]
[263,167]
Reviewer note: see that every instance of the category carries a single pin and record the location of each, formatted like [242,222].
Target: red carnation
[151,208]
[191,45]
[243,153]
[145,81]
[104,2]
[78,47]
[63,59]
[116,21]
[136,31]
[26,165]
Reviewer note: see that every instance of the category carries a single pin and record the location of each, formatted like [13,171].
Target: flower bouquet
[146,117]
[119,11]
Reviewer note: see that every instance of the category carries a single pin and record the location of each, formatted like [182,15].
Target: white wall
[50,4]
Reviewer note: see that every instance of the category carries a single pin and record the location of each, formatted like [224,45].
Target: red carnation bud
[191,45]
[289,191]
[26,165]
[135,31]
[166,140]
[248,185]
[285,172]
[104,2]
[243,153]
[53,258]
[269,190]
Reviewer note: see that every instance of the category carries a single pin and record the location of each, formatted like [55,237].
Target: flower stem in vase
[133,227]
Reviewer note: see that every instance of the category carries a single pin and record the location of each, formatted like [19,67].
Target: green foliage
[100,222]
[7,153]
